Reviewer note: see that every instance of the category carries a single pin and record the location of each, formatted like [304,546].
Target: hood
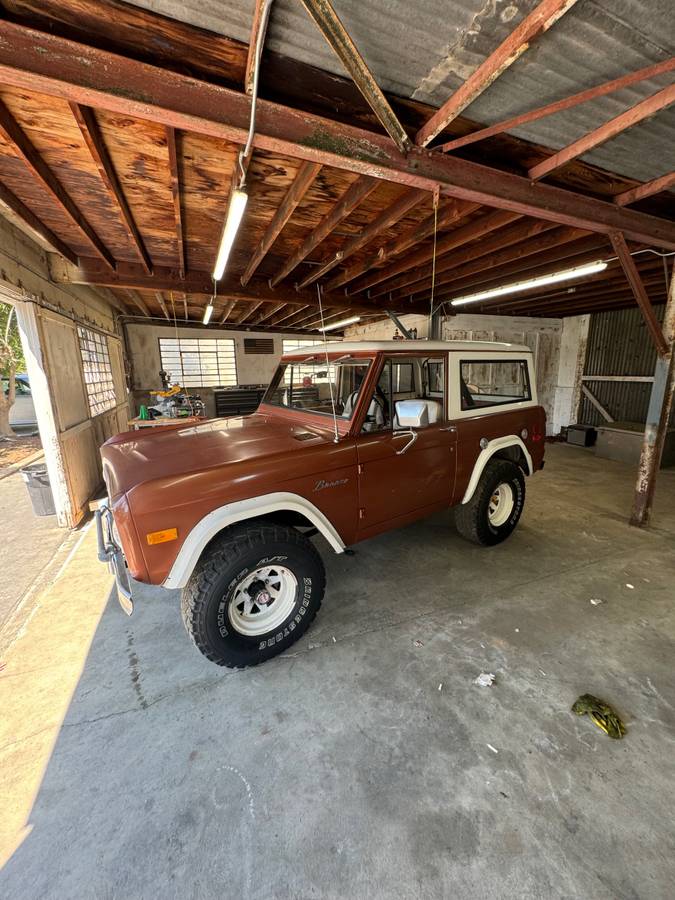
[135,457]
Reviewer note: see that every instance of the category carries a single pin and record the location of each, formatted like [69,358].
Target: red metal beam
[28,217]
[541,112]
[633,277]
[36,61]
[86,120]
[648,189]
[354,194]
[386,219]
[330,26]
[44,175]
[638,113]
[447,242]
[172,147]
[545,14]
[301,183]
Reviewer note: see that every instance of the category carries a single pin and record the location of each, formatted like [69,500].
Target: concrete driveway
[365,763]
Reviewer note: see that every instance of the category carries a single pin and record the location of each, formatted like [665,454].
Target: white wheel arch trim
[511,440]
[239,511]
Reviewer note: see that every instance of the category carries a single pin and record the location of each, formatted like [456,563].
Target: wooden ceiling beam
[162,304]
[46,178]
[227,309]
[550,109]
[32,222]
[248,312]
[287,315]
[258,30]
[542,17]
[355,194]
[472,231]
[648,189]
[449,213]
[504,237]
[639,292]
[494,256]
[46,63]
[303,180]
[388,217]
[133,276]
[330,26]
[269,313]
[172,148]
[610,129]
[138,302]
[88,125]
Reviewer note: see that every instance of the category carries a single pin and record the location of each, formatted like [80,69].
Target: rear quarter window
[493,382]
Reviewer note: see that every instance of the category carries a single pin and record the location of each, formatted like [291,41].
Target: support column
[658,418]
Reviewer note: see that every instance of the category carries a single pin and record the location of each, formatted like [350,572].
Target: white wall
[558,346]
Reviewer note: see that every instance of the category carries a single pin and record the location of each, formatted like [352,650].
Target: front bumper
[111,553]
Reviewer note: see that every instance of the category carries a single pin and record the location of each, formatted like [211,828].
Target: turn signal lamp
[161,537]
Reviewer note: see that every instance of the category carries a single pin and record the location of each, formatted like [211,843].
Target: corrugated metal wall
[619,344]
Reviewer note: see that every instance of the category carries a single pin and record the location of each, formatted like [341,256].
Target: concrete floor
[27,545]
[138,770]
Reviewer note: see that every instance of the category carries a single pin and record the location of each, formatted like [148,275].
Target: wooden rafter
[633,277]
[31,60]
[648,189]
[448,214]
[338,39]
[354,194]
[288,315]
[638,113]
[31,221]
[447,242]
[267,314]
[550,109]
[172,148]
[44,175]
[414,279]
[138,302]
[301,183]
[249,311]
[542,17]
[227,309]
[86,120]
[388,217]
[159,296]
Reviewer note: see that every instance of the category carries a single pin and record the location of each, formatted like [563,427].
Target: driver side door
[405,473]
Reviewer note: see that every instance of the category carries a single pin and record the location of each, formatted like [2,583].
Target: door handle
[413,437]
[449,428]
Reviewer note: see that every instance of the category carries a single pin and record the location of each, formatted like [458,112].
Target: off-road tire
[225,562]
[472,519]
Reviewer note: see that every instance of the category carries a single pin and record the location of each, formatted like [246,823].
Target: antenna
[436,197]
[330,382]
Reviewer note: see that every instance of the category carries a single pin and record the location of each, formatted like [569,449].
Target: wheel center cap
[262,598]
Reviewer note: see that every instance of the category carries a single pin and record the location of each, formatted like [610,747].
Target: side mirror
[412,413]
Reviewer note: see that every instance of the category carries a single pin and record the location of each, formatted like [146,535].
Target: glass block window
[199,362]
[98,380]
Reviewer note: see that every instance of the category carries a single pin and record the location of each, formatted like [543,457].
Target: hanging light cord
[325,349]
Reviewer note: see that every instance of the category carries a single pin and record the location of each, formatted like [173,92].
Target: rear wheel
[494,510]
[253,593]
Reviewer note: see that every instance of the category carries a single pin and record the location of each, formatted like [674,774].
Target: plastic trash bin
[39,489]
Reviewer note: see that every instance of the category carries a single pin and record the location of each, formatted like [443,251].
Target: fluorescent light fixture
[208,312]
[341,323]
[543,280]
[235,213]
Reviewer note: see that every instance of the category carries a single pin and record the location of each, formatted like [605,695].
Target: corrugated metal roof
[424,50]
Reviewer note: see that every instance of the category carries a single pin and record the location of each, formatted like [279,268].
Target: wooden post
[658,417]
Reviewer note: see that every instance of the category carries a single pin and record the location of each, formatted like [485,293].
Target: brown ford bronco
[349,441]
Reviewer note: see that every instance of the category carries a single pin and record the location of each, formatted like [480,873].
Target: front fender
[511,440]
[232,513]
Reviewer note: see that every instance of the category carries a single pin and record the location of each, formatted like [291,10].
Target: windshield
[307,384]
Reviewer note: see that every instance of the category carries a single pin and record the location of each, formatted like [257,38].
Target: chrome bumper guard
[110,553]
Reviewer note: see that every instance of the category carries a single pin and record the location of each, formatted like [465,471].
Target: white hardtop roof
[343,347]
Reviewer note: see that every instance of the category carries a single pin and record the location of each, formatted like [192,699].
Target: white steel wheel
[263,600]
[501,504]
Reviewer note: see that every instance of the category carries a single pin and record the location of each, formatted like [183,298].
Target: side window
[485,383]
[401,380]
